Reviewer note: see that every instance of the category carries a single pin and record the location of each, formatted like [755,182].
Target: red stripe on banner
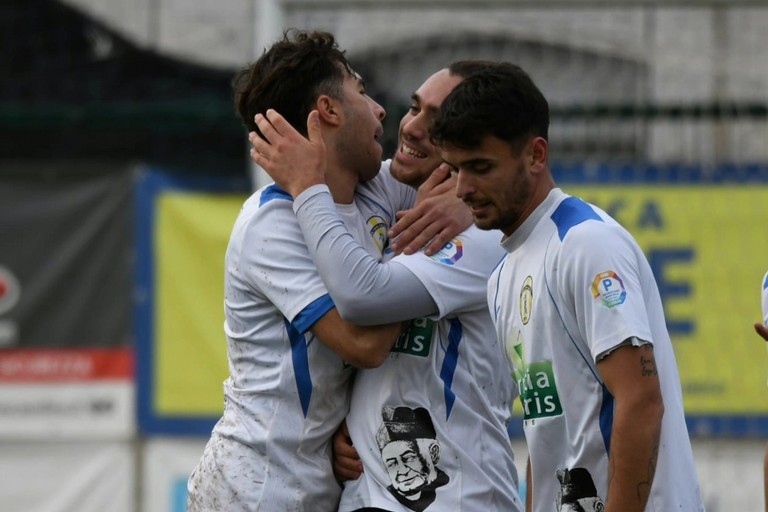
[47,365]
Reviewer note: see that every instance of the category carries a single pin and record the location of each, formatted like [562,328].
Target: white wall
[691,54]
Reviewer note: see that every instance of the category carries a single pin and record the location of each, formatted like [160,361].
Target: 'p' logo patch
[450,253]
[609,288]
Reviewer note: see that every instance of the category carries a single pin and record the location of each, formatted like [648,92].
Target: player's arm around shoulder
[629,372]
[361,346]
[278,266]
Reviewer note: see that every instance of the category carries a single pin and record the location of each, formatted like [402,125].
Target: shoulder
[472,248]
[271,195]
[483,247]
[265,209]
[584,236]
[484,237]
[577,222]
[573,216]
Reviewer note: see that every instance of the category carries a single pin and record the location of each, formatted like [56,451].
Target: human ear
[539,152]
[329,110]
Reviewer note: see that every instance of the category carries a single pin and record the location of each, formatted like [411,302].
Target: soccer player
[577,307]
[762,329]
[429,424]
[290,353]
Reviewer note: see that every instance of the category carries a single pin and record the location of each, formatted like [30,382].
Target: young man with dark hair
[447,376]
[291,355]
[576,304]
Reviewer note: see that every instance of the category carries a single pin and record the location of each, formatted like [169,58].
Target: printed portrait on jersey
[577,492]
[410,452]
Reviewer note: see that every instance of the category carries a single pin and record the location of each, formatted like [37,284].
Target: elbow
[373,357]
[655,401]
[372,349]
[373,344]
[652,407]
[657,406]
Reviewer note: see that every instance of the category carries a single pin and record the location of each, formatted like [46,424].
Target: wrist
[301,198]
[296,189]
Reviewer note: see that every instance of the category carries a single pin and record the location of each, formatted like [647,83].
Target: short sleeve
[599,274]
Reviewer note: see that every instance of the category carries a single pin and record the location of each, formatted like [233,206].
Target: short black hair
[465,68]
[499,100]
[290,76]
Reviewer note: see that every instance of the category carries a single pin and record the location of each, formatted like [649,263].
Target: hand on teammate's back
[346,462]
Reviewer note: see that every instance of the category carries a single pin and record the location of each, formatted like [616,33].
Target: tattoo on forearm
[644,487]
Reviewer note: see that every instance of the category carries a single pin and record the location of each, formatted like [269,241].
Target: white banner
[166,466]
[68,411]
[67,477]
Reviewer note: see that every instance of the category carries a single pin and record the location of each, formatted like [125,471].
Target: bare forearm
[529,487]
[634,453]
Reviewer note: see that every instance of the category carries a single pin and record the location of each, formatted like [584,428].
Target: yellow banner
[190,239]
[708,246]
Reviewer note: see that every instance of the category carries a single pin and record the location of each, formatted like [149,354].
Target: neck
[542,190]
[341,181]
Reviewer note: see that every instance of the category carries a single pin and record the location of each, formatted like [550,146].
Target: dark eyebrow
[475,161]
[357,77]
[431,108]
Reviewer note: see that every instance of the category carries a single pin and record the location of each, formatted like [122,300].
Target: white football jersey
[286,392]
[430,424]
[573,286]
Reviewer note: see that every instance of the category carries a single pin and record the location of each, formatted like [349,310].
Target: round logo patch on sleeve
[608,287]
[450,253]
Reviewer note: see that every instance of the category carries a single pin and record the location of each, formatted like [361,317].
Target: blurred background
[123,166]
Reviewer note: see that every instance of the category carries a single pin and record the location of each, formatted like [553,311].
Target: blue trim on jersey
[300,365]
[296,329]
[273,192]
[571,212]
[765,282]
[312,313]
[378,206]
[606,419]
[587,360]
[450,362]
[496,306]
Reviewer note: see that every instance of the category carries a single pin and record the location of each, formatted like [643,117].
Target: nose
[378,110]
[415,126]
[464,185]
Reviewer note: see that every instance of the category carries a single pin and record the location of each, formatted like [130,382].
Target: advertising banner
[708,249]
[704,236]
[166,466]
[183,227]
[74,476]
[66,355]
